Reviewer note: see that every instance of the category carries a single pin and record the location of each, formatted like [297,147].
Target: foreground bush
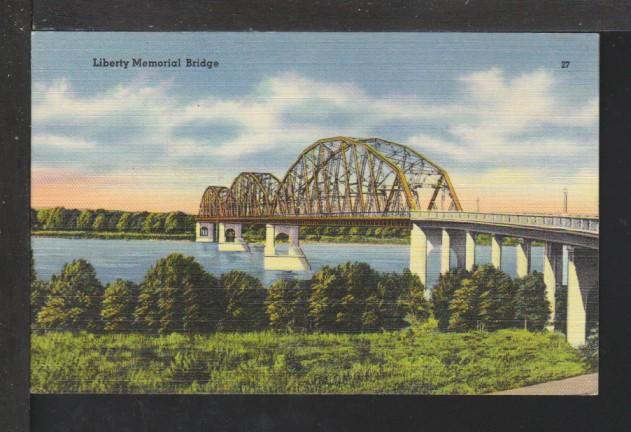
[406,361]
[73,300]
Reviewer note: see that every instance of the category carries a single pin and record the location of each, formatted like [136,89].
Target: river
[130,259]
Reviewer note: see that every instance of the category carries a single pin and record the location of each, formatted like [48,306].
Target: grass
[405,362]
[107,235]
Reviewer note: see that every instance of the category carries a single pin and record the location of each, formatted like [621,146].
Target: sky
[498,112]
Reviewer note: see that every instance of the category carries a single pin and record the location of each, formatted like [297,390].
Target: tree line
[178,295]
[63,219]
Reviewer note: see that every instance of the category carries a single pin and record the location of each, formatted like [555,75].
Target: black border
[609,411]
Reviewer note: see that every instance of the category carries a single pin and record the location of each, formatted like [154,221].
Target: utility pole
[477,205]
[565,200]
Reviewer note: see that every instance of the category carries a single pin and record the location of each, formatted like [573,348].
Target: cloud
[490,121]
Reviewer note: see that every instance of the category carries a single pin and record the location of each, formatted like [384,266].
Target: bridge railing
[575,223]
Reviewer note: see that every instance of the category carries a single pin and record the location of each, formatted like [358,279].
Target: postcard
[314,213]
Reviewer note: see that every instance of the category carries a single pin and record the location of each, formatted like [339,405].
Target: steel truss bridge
[359,182]
[339,180]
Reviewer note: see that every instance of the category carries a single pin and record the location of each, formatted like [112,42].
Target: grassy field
[408,361]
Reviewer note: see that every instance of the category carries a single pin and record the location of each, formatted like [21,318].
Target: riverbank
[115,235]
[410,361]
[112,235]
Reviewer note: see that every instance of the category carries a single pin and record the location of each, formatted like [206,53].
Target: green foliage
[589,351]
[483,301]
[496,293]
[119,303]
[265,362]
[177,294]
[62,219]
[443,292]
[464,308]
[244,302]
[84,222]
[327,288]
[124,222]
[154,223]
[74,300]
[531,304]
[100,221]
[286,303]
[409,299]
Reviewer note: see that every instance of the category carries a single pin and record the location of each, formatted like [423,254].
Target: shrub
[589,351]
[443,293]
[286,304]
[119,302]
[74,299]
[245,302]
[177,294]
[531,304]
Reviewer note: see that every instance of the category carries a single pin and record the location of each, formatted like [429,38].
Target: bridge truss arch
[253,194]
[350,176]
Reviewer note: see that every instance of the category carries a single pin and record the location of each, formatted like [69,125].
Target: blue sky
[497,111]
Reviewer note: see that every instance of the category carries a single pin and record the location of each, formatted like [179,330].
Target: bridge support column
[552,276]
[445,251]
[229,238]
[582,281]
[204,232]
[523,258]
[294,260]
[469,250]
[496,251]
[452,239]
[418,253]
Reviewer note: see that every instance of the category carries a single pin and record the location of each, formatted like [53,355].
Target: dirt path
[581,385]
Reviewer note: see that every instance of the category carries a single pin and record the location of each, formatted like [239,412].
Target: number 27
[565,64]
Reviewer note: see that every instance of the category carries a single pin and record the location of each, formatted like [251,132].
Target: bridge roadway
[454,233]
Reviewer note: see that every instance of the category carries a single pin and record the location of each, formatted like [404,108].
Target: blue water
[130,259]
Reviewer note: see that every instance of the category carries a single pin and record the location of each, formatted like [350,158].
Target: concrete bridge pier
[229,238]
[552,276]
[582,284]
[294,260]
[423,240]
[205,232]
[523,258]
[496,251]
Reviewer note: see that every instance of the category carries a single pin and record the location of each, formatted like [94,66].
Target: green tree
[85,220]
[496,292]
[124,222]
[42,217]
[327,288]
[464,309]
[119,302]
[175,222]
[177,294]
[154,223]
[100,221]
[74,301]
[245,302]
[138,220]
[286,303]
[39,292]
[531,304]
[359,282]
[413,298]
[443,293]
[57,219]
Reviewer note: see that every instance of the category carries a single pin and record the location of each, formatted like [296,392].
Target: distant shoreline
[114,235]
